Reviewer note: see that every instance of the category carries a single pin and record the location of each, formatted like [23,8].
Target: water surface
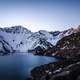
[18,67]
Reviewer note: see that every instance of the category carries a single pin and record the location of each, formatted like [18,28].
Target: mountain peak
[19,27]
[16,29]
[71,31]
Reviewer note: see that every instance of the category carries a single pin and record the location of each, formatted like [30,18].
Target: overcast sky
[37,15]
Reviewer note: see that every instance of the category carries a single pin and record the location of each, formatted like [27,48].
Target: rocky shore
[68,69]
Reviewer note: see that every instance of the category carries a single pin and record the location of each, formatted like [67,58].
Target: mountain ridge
[22,39]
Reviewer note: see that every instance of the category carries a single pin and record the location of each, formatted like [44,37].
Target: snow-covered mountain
[22,39]
[16,37]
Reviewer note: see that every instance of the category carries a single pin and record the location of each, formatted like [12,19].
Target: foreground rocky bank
[68,69]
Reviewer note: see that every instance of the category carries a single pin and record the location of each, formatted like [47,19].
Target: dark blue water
[18,67]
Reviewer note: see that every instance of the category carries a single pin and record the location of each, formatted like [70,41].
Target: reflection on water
[18,67]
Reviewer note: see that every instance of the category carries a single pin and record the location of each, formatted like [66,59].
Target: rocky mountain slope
[69,46]
[66,47]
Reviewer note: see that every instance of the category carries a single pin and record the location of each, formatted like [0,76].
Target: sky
[37,15]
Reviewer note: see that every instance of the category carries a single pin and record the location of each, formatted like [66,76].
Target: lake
[18,67]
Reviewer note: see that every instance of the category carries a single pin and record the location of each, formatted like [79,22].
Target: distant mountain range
[20,39]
